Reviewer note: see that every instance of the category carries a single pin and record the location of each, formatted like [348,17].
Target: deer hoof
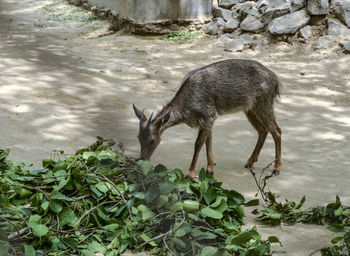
[248,166]
[211,173]
[189,178]
[275,173]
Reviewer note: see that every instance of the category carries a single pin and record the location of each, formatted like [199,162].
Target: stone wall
[241,23]
[151,16]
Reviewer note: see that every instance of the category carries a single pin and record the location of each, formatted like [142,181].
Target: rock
[305,33]
[341,10]
[244,9]
[251,24]
[255,12]
[337,29]
[215,27]
[231,25]
[325,42]
[317,7]
[346,45]
[227,4]
[223,40]
[264,4]
[297,5]
[244,41]
[273,12]
[236,45]
[289,23]
[222,13]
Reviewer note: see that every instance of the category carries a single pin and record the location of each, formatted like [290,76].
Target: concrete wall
[153,11]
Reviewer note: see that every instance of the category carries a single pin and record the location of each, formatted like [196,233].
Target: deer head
[150,132]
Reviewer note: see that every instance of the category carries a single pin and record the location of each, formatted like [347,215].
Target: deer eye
[152,142]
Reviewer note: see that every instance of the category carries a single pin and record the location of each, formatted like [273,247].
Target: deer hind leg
[267,118]
[262,133]
[210,156]
[201,139]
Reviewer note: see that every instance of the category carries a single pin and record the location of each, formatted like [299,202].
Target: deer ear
[163,120]
[166,118]
[139,113]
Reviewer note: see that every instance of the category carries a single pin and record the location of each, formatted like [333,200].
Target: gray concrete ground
[64,81]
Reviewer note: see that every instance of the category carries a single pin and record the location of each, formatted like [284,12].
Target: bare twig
[89,211]
[209,229]
[166,245]
[120,193]
[12,224]
[261,182]
[167,233]
[72,163]
[18,233]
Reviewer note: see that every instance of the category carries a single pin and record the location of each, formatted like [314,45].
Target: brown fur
[220,88]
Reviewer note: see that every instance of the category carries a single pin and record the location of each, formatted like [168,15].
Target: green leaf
[245,237]
[166,187]
[95,191]
[56,206]
[101,186]
[67,216]
[301,203]
[59,196]
[208,212]
[45,205]
[34,220]
[152,193]
[253,202]
[274,239]
[190,205]
[147,238]
[209,251]
[39,230]
[336,227]
[146,166]
[146,212]
[86,155]
[25,193]
[202,175]
[209,195]
[29,250]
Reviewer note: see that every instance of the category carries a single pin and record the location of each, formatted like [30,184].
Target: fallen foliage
[98,200]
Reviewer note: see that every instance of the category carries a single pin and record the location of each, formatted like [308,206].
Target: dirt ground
[64,79]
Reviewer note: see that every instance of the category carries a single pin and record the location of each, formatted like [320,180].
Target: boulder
[317,7]
[325,42]
[255,12]
[227,4]
[337,29]
[305,33]
[297,5]
[231,25]
[219,12]
[289,23]
[341,10]
[273,12]
[215,27]
[244,9]
[251,24]
[236,45]
[346,45]
[223,40]
[264,4]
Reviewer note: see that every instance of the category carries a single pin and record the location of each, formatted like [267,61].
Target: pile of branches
[99,201]
[335,215]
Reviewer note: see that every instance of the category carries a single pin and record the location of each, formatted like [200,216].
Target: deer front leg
[210,156]
[201,138]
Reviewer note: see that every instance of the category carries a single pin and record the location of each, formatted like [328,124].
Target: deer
[223,87]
